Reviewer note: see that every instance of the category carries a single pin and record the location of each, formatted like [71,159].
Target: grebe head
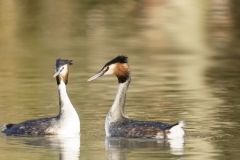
[117,66]
[61,70]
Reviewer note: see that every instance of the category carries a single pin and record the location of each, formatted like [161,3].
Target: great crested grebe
[117,123]
[67,121]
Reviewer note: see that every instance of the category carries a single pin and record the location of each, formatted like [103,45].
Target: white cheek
[110,70]
[63,70]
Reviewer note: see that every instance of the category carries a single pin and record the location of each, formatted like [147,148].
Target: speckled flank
[138,129]
[32,127]
[129,128]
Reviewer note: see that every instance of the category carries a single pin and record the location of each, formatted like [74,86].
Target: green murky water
[184,58]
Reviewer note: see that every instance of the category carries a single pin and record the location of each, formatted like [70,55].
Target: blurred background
[184,57]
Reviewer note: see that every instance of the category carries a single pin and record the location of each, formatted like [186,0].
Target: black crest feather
[60,62]
[118,59]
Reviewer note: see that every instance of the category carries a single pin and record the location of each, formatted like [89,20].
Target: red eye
[106,68]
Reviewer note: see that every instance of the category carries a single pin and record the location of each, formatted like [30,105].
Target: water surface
[184,58]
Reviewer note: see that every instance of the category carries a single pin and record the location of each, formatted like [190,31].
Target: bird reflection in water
[68,146]
[118,148]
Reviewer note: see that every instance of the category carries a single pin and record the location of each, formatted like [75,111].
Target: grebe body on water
[66,122]
[117,123]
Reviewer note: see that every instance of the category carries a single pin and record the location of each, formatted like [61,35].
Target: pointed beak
[57,73]
[99,74]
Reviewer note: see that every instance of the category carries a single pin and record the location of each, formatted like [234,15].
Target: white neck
[68,118]
[64,101]
[117,111]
